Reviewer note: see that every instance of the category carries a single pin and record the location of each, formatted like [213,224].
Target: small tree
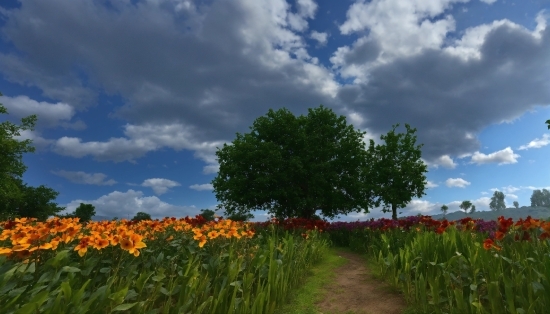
[141,216]
[85,212]
[444,209]
[516,204]
[473,210]
[397,170]
[497,201]
[208,214]
[465,205]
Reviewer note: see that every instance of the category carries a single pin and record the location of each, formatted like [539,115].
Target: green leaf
[124,307]
[67,291]
[70,269]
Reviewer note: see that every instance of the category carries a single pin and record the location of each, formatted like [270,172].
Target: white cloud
[537,143]
[48,115]
[202,187]
[458,182]
[322,38]
[160,186]
[401,27]
[488,1]
[128,204]
[81,177]
[505,156]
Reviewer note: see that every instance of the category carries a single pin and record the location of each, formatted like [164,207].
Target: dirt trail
[356,290]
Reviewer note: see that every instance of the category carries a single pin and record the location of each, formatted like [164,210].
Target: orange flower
[499,235]
[202,241]
[100,243]
[132,244]
[213,234]
[82,246]
[488,244]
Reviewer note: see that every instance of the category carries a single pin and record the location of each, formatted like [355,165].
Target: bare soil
[356,290]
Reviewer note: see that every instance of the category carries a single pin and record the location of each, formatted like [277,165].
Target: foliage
[540,198]
[465,205]
[16,198]
[473,210]
[34,203]
[240,217]
[444,209]
[464,266]
[139,216]
[292,167]
[397,170]
[497,201]
[11,164]
[208,214]
[169,266]
[516,204]
[84,212]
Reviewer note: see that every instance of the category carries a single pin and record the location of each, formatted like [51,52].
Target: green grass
[311,290]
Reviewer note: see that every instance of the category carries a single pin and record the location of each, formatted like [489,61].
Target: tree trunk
[394,211]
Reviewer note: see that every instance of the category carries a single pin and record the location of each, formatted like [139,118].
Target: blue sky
[133,97]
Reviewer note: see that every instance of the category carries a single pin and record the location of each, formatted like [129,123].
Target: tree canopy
[465,205]
[497,201]
[141,216]
[540,198]
[18,199]
[396,169]
[292,167]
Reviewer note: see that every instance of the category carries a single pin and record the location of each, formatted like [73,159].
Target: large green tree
[396,170]
[497,201]
[293,166]
[18,199]
[540,198]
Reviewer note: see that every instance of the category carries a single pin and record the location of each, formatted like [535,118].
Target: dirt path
[356,290]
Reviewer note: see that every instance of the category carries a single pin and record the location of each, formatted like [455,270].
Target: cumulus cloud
[505,156]
[160,186]
[322,38]
[537,143]
[458,182]
[128,204]
[81,177]
[202,187]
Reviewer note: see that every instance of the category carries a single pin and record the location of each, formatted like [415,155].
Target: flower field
[189,265]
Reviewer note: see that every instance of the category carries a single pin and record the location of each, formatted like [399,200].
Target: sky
[133,97]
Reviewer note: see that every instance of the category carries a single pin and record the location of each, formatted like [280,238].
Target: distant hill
[514,213]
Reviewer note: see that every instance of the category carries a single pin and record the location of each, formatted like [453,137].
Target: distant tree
[497,201]
[294,166]
[465,205]
[85,212]
[114,218]
[397,170]
[548,122]
[141,216]
[516,204]
[473,210]
[540,198]
[444,209]
[240,217]
[208,214]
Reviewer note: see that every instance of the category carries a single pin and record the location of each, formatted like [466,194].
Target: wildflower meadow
[190,265]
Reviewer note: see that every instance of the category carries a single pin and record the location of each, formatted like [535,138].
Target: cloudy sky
[134,96]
